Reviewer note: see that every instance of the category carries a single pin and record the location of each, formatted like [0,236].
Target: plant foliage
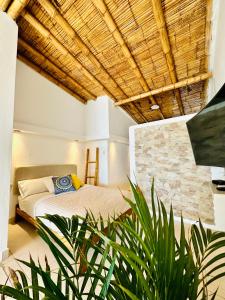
[138,257]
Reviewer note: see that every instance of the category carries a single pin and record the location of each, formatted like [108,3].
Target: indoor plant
[139,257]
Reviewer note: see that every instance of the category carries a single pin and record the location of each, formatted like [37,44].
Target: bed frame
[20,214]
[33,172]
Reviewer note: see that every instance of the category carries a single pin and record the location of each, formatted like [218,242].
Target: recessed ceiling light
[154,107]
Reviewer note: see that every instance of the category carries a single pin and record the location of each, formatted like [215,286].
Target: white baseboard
[4,254]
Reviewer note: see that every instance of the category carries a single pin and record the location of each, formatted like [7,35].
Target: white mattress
[102,201]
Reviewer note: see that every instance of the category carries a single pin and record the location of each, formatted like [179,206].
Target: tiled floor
[23,241]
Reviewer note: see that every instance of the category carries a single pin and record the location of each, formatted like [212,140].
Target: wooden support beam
[208,31]
[129,112]
[101,6]
[46,62]
[166,47]
[49,77]
[16,8]
[139,112]
[208,36]
[4,4]
[60,20]
[64,50]
[167,88]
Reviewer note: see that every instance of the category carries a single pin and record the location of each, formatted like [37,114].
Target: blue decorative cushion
[63,184]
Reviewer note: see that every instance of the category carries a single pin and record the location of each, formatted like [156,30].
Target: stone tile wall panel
[164,152]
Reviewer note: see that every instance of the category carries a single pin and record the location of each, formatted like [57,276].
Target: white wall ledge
[45,131]
[66,135]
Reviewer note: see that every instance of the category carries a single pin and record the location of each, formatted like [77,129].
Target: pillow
[31,187]
[49,184]
[77,183]
[63,184]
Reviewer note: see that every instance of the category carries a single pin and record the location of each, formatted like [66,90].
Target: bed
[103,201]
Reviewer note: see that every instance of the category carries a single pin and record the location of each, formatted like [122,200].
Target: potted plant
[138,257]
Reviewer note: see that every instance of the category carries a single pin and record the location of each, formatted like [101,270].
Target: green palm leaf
[137,257]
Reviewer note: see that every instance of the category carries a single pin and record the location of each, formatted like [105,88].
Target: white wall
[40,103]
[217,61]
[8,48]
[54,150]
[118,164]
[217,48]
[32,149]
[97,119]
[51,121]
[110,124]
[103,160]
[119,121]
[54,117]
[105,119]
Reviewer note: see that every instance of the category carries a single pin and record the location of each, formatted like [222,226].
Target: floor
[23,241]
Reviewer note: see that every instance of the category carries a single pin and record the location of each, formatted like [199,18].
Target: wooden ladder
[88,177]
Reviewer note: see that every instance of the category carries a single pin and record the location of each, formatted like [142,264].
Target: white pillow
[31,187]
[49,184]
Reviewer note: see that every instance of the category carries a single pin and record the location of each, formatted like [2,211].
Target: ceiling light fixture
[154,107]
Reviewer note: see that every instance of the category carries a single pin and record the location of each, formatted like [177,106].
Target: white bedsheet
[102,201]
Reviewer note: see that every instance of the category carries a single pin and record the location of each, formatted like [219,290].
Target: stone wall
[164,152]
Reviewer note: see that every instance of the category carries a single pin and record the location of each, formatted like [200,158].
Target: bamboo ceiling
[122,48]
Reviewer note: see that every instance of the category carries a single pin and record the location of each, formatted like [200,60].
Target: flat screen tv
[207,132]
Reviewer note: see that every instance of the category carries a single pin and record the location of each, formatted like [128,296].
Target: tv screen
[207,132]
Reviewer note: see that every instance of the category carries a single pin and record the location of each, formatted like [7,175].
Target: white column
[8,49]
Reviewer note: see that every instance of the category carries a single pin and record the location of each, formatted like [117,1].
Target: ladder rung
[90,176]
[91,162]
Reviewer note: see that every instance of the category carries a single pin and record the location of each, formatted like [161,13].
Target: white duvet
[103,201]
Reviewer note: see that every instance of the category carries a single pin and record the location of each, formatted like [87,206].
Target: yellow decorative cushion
[77,183]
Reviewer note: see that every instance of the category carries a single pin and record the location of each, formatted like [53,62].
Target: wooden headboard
[32,172]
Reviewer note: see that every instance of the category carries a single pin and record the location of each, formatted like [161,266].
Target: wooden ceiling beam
[16,8]
[48,76]
[208,31]
[208,36]
[54,14]
[44,61]
[103,9]
[60,20]
[4,4]
[166,47]
[134,113]
[128,111]
[170,87]
[64,50]
[138,111]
